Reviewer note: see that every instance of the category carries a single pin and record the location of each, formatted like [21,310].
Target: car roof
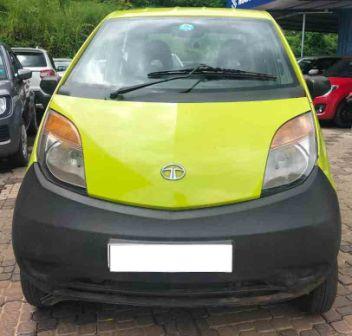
[178,11]
[319,57]
[19,49]
[2,44]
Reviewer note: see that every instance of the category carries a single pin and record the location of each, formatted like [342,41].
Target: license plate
[170,258]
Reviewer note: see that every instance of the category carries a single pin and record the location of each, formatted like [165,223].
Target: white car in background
[61,65]
[42,65]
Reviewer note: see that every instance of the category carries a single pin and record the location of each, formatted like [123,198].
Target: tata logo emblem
[173,172]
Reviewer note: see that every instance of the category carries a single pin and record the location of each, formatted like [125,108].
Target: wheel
[321,299]
[20,158]
[33,126]
[343,116]
[32,294]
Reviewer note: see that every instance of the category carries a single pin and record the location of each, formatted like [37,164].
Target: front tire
[20,158]
[32,294]
[321,299]
[343,116]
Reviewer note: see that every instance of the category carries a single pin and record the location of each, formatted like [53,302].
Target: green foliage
[316,44]
[61,26]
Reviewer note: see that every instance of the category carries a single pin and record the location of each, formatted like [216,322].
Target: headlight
[293,153]
[3,106]
[60,150]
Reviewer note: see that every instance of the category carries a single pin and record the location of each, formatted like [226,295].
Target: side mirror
[49,84]
[313,72]
[318,85]
[24,74]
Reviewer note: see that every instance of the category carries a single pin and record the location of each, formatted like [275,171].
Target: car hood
[222,146]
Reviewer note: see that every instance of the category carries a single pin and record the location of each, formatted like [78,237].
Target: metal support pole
[304,17]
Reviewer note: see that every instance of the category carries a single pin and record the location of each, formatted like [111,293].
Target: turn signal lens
[62,129]
[60,150]
[293,153]
[294,130]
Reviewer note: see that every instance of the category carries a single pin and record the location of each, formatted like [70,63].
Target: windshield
[31,60]
[2,68]
[61,65]
[125,51]
[321,64]
[343,68]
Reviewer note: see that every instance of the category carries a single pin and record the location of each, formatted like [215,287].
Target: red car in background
[334,105]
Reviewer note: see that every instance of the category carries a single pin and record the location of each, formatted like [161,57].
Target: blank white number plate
[170,258]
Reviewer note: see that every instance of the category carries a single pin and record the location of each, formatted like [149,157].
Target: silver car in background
[61,65]
[42,65]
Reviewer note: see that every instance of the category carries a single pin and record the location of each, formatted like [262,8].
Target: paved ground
[19,318]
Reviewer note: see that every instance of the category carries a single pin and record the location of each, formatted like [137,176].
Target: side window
[3,74]
[15,64]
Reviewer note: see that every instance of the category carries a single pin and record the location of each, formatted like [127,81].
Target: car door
[19,88]
[341,77]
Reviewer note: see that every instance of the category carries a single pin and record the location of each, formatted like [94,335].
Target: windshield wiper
[123,90]
[205,72]
[210,72]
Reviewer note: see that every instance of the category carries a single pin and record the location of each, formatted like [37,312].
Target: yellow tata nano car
[180,163]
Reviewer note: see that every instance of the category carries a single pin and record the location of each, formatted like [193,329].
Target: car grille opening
[238,289]
[4,133]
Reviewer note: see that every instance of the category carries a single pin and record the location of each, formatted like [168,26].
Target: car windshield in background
[62,65]
[125,51]
[31,60]
[321,64]
[343,68]
[2,68]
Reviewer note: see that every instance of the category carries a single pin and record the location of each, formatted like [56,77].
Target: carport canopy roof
[322,14]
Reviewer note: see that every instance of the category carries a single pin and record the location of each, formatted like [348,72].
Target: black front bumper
[284,245]
[9,134]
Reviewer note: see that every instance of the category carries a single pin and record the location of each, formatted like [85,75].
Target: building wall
[345,32]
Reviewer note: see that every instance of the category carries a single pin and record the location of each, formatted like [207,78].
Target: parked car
[17,108]
[317,65]
[41,64]
[61,65]
[332,105]
[160,185]
[349,103]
